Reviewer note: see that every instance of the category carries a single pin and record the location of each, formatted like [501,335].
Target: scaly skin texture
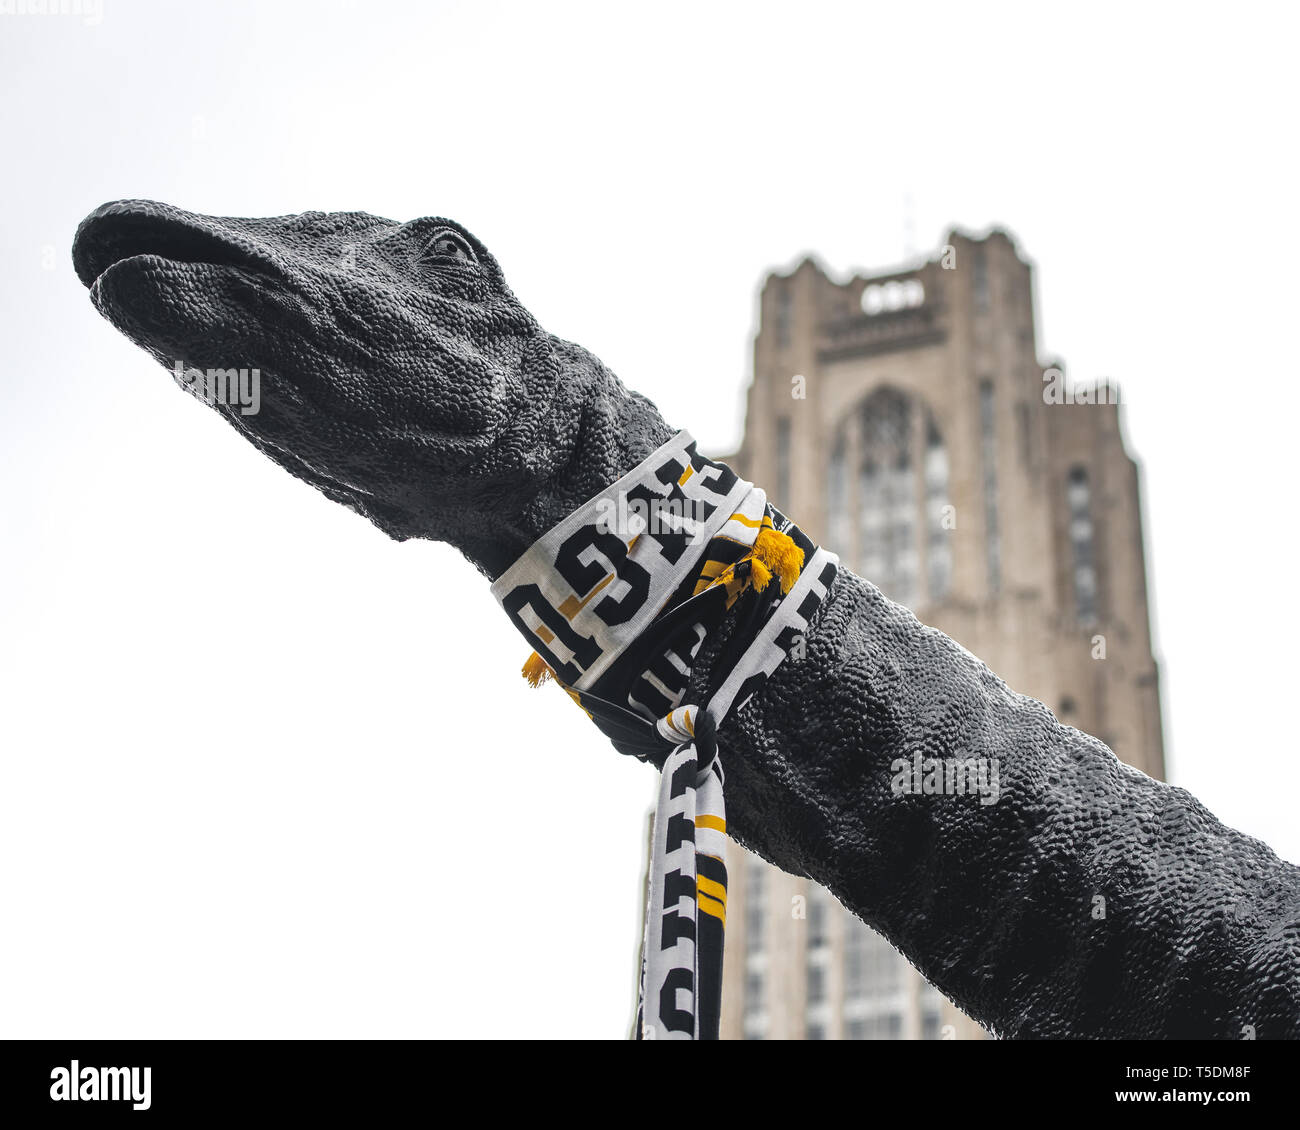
[402,378]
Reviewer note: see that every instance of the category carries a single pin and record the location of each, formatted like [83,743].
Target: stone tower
[906,421]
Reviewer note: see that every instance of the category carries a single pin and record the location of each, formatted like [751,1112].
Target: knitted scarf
[617,601]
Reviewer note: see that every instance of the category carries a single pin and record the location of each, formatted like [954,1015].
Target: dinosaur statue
[403,379]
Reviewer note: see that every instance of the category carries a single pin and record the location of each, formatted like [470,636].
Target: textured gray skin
[402,378]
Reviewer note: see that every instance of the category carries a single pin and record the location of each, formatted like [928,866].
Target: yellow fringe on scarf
[774,554]
[536,671]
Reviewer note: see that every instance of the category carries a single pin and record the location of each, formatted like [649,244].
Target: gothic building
[906,421]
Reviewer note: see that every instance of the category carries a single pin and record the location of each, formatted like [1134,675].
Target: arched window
[887,497]
[887,510]
[1078,499]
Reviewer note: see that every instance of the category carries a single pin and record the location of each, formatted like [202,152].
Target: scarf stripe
[617,601]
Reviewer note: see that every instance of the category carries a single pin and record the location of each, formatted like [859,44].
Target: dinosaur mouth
[118,233]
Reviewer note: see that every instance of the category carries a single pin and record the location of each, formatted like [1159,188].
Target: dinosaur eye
[447,246]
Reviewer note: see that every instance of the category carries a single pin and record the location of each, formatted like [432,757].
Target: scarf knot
[692,725]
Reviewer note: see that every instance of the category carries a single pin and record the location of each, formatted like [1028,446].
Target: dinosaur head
[395,370]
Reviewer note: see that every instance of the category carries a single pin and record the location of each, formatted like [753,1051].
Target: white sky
[266,773]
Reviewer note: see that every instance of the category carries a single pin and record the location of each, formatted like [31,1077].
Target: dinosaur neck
[600,431]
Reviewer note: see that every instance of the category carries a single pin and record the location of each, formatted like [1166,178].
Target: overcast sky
[267,773]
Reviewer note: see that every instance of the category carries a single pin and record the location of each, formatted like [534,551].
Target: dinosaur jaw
[181,311]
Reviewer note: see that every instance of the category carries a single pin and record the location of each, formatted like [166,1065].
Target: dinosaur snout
[126,230]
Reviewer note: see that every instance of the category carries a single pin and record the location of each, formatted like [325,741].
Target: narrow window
[816,984]
[838,525]
[817,1012]
[755,1011]
[938,531]
[1078,498]
[782,499]
[784,316]
[1023,427]
[818,912]
[989,455]
[980,280]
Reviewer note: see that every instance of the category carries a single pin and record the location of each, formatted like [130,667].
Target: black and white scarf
[617,600]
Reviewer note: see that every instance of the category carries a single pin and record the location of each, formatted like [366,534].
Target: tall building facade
[906,421]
